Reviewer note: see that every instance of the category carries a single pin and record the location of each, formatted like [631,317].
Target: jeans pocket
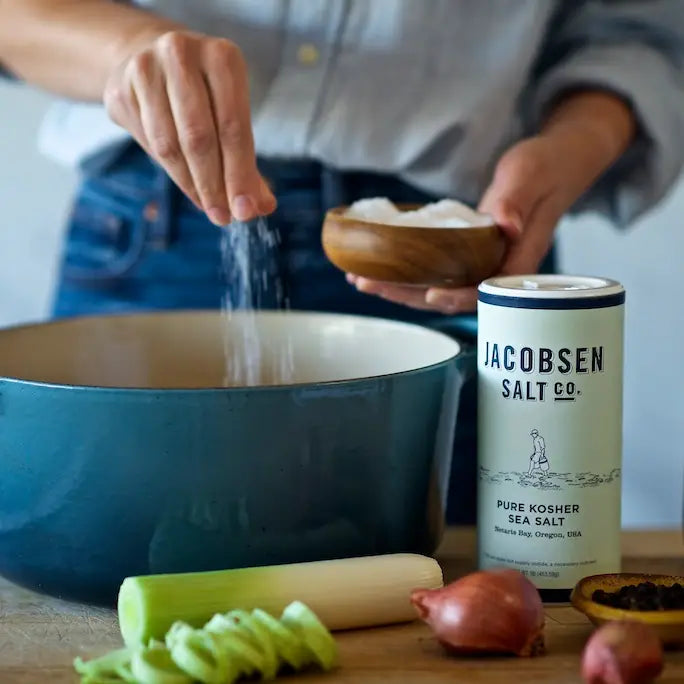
[102,244]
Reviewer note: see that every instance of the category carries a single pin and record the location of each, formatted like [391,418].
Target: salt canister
[550,382]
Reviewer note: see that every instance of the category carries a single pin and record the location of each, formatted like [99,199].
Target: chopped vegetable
[291,649]
[230,647]
[260,636]
[316,638]
[247,657]
[155,666]
[345,594]
[113,667]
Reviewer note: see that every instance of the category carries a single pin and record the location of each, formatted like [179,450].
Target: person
[182,116]
[538,459]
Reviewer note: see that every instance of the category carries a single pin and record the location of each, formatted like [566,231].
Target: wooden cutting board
[39,636]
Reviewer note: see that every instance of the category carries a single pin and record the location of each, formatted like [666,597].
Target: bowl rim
[338,214]
[581,600]
[459,345]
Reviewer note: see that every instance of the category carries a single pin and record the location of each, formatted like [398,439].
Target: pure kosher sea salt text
[540,515]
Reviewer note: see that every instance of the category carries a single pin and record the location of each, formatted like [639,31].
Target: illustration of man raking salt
[538,460]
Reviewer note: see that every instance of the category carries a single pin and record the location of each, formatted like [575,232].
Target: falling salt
[253,282]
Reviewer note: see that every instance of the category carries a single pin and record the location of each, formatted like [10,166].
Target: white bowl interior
[210,349]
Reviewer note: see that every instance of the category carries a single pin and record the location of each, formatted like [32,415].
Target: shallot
[622,652]
[490,611]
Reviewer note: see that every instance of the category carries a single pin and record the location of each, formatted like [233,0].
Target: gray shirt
[434,90]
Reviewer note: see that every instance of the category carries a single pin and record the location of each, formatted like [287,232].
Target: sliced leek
[260,637]
[154,665]
[316,638]
[246,656]
[345,594]
[112,667]
[231,647]
[290,648]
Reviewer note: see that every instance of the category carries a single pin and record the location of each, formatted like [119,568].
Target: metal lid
[546,286]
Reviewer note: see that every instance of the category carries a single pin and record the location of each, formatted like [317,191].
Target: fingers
[520,183]
[121,104]
[185,99]
[408,296]
[525,255]
[226,76]
[459,300]
[268,201]
[192,112]
[527,199]
[427,299]
[504,212]
[158,125]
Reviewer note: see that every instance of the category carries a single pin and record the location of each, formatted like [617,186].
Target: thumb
[514,193]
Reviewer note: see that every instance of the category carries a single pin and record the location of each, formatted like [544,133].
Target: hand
[534,184]
[184,97]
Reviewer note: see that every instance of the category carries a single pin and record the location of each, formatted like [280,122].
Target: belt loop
[160,212]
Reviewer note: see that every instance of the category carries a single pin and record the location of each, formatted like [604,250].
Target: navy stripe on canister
[595,302]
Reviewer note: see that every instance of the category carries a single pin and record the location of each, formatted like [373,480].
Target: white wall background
[34,199]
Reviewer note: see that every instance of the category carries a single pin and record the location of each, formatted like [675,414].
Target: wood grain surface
[40,636]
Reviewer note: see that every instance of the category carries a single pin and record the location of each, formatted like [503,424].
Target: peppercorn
[643,596]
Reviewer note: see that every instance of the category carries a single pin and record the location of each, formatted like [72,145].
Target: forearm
[71,46]
[596,127]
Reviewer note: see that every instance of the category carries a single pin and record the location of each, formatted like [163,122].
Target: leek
[345,594]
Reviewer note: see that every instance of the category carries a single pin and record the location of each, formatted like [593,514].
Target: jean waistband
[135,175]
[132,176]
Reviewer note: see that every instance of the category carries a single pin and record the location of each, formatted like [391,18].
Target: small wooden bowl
[442,257]
[668,624]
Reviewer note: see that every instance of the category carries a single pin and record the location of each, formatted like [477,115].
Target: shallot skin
[490,611]
[622,652]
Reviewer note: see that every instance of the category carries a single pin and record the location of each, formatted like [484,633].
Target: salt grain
[445,213]
[377,209]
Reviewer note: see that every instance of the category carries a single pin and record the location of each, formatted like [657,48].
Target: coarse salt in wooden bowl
[442,250]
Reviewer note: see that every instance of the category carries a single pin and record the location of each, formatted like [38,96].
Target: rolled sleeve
[635,50]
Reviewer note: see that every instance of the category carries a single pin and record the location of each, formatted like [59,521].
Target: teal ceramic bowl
[123,453]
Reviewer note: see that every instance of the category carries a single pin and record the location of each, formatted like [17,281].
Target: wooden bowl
[443,257]
[669,624]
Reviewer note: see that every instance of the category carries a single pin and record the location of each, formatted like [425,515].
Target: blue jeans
[135,243]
